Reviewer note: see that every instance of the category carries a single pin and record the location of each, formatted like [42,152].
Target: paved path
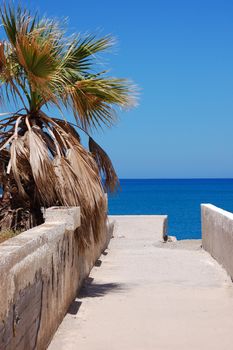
[148,295]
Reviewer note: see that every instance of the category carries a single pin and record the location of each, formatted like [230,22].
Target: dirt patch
[6,234]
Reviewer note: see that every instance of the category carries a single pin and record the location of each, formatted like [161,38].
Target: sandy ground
[144,294]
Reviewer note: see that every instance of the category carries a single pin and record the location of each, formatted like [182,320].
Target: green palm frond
[93,100]
[81,52]
[10,75]
[41,61]
[17,21]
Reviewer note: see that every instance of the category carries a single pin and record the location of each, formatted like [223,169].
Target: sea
[180,199]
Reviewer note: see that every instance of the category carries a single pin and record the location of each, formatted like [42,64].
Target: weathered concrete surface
[149,295]
[40,272]
[217,235]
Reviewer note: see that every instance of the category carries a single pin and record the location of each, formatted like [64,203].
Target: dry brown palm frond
[59,133]
[80,160]
[49,142]
[94,208]
[68,128]
[41,167]
[78,183]
[22,154]
[55,139]
[81,170]
[66,183]
[70,194]
[60,140]
[98,221]
[19,164]
[105,165]
[84,168]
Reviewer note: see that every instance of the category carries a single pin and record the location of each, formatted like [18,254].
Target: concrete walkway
[147,295]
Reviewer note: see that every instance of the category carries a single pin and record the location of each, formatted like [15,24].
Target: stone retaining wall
[217,235]
[40,272]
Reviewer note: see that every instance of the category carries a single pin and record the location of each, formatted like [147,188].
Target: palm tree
[42,160]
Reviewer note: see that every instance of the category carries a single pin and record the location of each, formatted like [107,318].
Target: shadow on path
[90,289]
[74,307]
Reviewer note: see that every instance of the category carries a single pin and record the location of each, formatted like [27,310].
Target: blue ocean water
[180,199]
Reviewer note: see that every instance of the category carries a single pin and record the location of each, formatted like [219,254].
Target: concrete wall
[217,235]
[40,272]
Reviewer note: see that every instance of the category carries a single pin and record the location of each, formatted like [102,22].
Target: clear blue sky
[180,53]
